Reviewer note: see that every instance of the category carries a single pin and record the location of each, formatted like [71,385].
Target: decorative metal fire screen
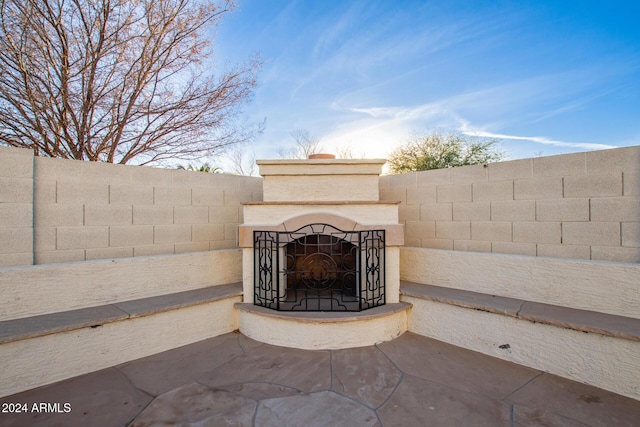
[319,268]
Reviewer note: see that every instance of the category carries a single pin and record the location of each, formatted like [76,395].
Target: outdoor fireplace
[321,256]
[321,240]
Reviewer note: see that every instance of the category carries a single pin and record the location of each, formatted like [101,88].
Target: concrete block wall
[56,210]
[16,207]
[581,205]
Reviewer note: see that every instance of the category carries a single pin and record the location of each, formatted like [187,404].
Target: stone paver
[365,374]
[303,370]
[165,371]
[232,380]
[261,391]
[324,408]
[523,417]
[420,402]
[103,398]
[447,364]
[580,402]
[197,405]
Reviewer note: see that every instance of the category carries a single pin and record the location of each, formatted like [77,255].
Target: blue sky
[546,77]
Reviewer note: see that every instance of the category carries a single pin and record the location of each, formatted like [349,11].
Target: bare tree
[306,144]
[117,80]
[243,163]
[346,152]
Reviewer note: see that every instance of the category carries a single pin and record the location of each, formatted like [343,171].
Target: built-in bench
[42,349]
[570,318]
[93,317]
[587,346]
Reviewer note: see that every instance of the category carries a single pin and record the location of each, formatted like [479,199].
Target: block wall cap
[322,203]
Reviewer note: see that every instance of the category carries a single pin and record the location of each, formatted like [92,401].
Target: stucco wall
[582,205]
[605,287]
[57,210]
[44,289]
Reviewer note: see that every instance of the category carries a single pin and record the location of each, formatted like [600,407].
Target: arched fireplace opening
[319,268]
[321,271]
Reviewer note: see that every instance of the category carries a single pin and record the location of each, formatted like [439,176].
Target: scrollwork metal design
[319,268]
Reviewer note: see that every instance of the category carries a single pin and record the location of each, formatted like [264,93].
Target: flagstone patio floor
[232,380]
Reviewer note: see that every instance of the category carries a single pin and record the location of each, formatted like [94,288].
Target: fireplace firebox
[319,267]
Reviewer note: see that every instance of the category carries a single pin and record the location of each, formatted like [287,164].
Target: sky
[544,77]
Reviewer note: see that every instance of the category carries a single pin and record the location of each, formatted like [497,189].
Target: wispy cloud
[384,127]
[467,111]
[379,112]
[503,98]
[574,104]
[541,140]
[357,45]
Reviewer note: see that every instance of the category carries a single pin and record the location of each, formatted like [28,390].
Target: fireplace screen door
[319,268]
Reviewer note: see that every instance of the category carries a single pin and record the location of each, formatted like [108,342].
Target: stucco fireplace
[320,241]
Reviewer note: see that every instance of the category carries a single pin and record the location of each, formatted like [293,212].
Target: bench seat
[570,318]
[47,324]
